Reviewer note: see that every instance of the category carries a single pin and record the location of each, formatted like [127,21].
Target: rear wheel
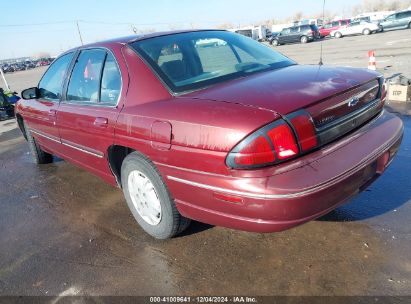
[149,199]
[366,31]
[304,39]
[39,156]
[337,35]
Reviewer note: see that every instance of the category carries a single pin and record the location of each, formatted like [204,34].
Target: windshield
[194,60]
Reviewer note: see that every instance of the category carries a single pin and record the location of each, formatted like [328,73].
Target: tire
[275,42]
[338,35]
[366,32]
[145,192]
[409,25]
[304,39]
[39,156]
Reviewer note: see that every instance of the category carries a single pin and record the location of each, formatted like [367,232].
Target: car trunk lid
[329,94]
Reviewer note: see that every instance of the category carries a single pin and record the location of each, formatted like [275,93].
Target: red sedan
[327,28]
[212,126]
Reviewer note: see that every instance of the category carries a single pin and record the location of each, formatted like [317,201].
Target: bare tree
[225,26]
[298,16]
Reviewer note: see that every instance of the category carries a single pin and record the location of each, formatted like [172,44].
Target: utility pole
[79,33]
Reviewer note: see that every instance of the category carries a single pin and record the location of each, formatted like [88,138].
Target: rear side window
[50,85]
[335,23]
[295,29]
[84,85]
[344,22]
[404,15]
[110,82]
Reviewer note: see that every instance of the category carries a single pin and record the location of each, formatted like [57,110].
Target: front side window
[84,85]
[391,17]
[285,31]
[200,59]
[335,23]
[50,85]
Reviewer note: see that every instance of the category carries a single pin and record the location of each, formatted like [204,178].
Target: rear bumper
[275,199]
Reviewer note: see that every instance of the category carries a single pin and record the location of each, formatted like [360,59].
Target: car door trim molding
[68,144]
[82,149]
[50,137]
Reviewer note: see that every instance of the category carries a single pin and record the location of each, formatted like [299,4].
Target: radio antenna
[321,44]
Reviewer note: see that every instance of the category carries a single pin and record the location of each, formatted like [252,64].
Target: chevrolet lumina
[212,126]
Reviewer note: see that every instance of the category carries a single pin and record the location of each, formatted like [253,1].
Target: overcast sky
[28,27]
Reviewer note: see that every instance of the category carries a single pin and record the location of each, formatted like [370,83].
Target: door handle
[52,112]
[101,121]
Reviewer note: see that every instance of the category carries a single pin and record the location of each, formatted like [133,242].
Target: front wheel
[337,35]
[304,39]
[366,32]
[148,198]
[409,25]
[275,42]
[39,156]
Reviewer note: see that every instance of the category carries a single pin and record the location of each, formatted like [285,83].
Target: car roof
[132,38]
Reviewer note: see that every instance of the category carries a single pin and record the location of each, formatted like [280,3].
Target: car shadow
[194,228]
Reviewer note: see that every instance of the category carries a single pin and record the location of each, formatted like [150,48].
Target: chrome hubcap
[144,197]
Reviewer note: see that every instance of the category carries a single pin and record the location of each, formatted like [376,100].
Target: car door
[353,28]
[40,113]
[295,34]
[335,25]
[392,22]
[402,21]
[89,110]
[283,36]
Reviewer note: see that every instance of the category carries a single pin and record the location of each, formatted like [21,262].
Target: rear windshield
[190,61]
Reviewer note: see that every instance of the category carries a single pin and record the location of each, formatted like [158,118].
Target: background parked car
[397,21]
[327,28]
[7,68]
[30,65]
[19,67]
[356,28]
[301,33]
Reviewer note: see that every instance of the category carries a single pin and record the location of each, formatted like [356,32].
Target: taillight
[277,142]
[283,140]
[256,152]
[383,86]
[305,130]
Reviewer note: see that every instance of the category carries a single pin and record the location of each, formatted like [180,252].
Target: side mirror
[31,93]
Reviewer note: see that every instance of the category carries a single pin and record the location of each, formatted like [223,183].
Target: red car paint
[189,136]
[327,28]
